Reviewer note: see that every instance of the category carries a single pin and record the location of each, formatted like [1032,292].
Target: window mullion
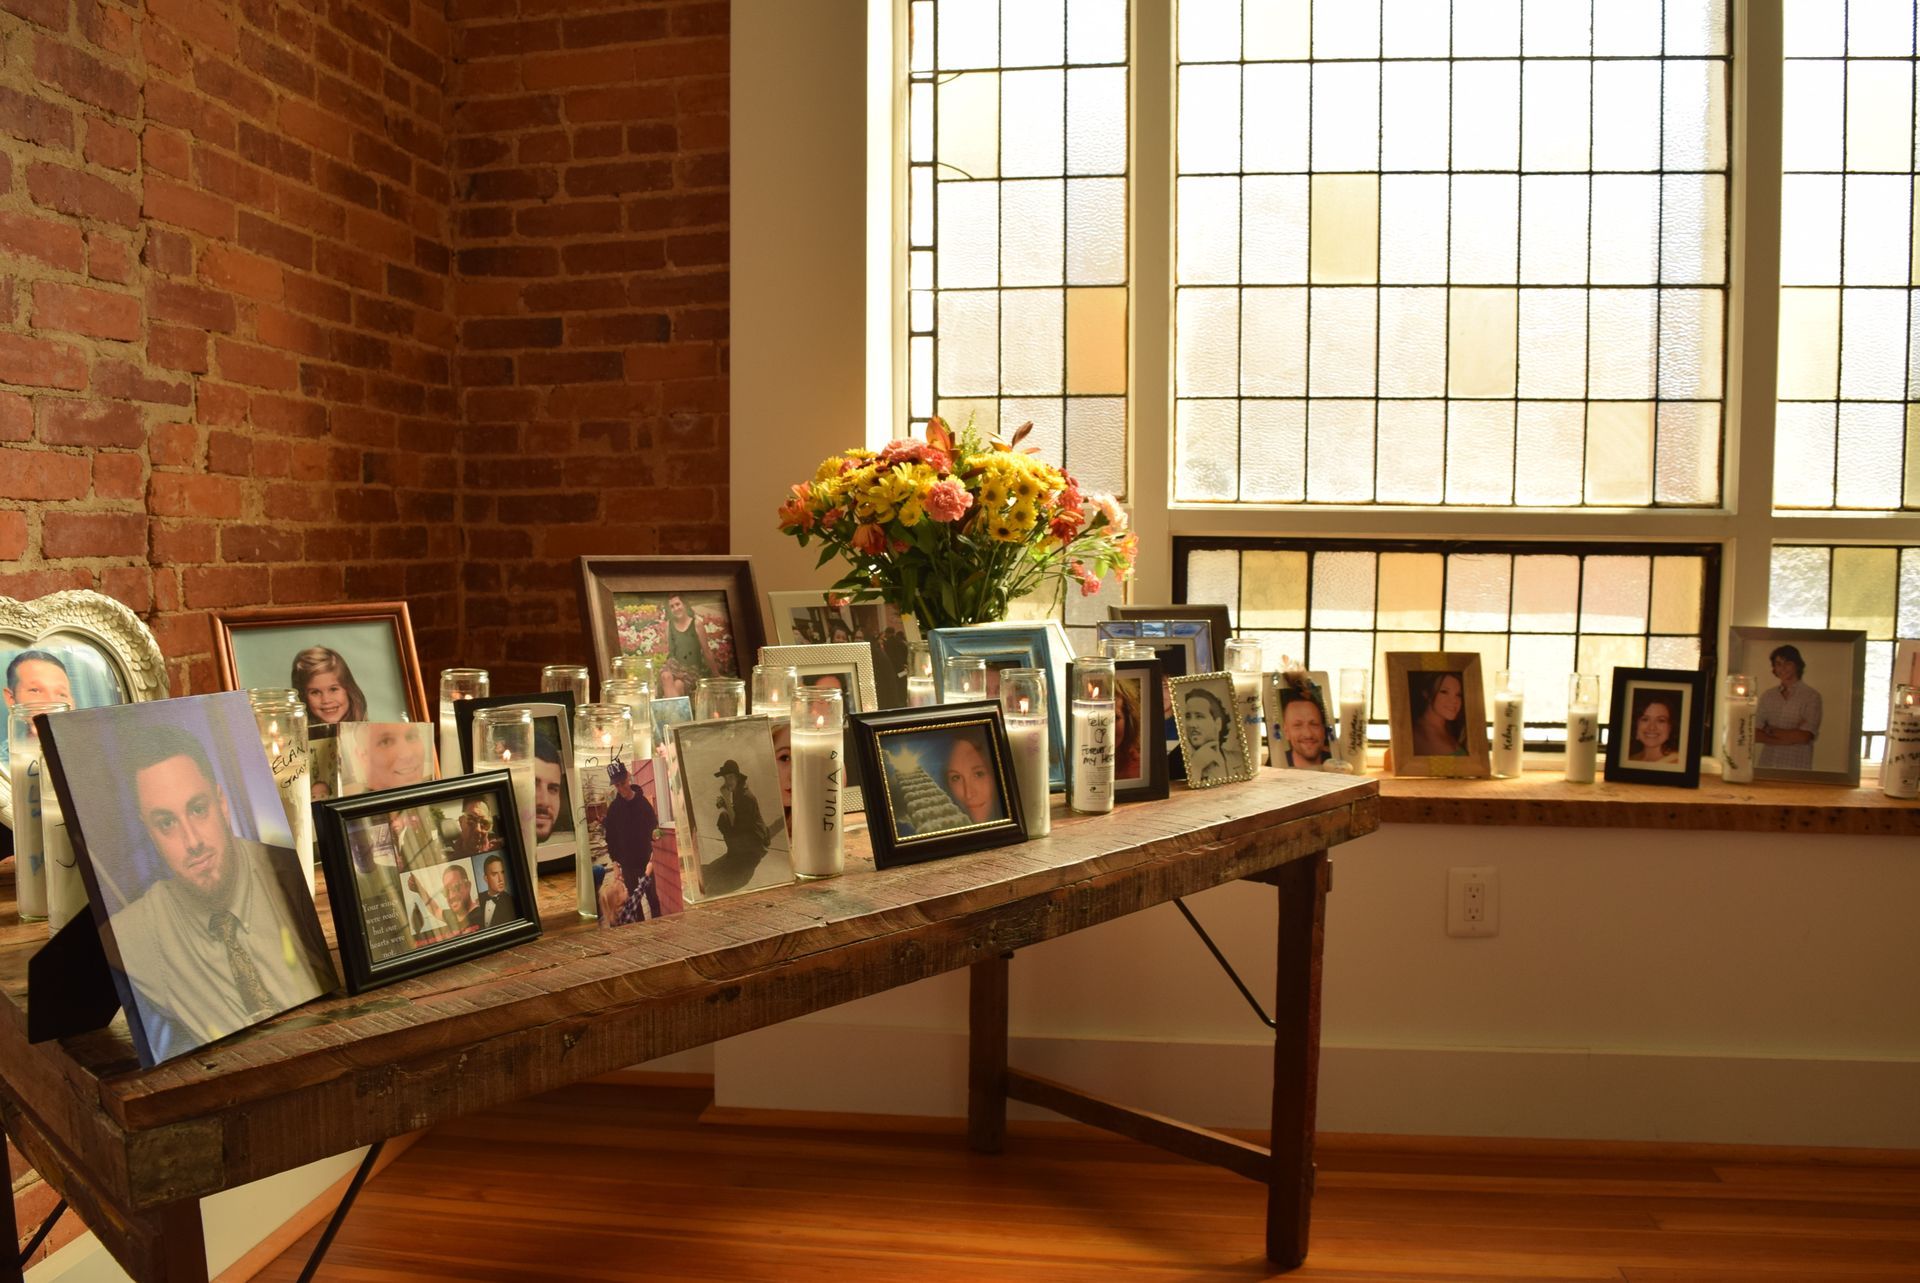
[1150,340]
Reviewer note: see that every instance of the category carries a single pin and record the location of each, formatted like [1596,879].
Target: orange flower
[869,539]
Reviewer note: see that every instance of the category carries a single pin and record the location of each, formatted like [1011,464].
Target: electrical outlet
[1473,901]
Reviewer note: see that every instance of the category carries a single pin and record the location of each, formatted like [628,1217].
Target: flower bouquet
[953,529]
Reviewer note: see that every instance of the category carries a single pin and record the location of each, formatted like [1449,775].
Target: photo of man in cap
[628,893]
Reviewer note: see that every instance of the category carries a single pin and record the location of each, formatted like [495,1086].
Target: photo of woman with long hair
[1439,714]
[1656,728]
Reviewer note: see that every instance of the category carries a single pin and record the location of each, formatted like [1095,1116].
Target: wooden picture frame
[552,714]
[1415,680]
[725,624]
[376,635]
[815,608]
[1140,694]
[1833,672]
[1015,643]
[912,817]
[1201,702]
[1640,696]
[381,906]
[1217,618]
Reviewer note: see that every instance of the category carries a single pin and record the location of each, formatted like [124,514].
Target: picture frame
[640,879]
[1139,738]
[1657,726]
[1454,747]
[627,606]
[1830,689]
[1292,737]
[912,817]
[409,894]
[732,832]
[98,653]
[1004,644]
[176,821]
[1219,622]
[1213,737]
[354,662]
[1183,647]
[559,840]
[851,664]
[812,618]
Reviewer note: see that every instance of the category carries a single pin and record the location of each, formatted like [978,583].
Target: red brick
[205,26]
[169,253]
[680,59]
[237,271]
[210,587]
[16,417]
[512,184]
[108,260]
[175,494]
[83,195]
[93,534]
[569,218]
[627,103]
[41,363]
[502,115]
[119,475]
[494,40]
[375,154]
[184,543]
[131,586]
[125,381]
[51,14]
[13,535]
[79,309]
[55,244]
[293,416]
[570,367]
[511,332]
[188,207]
[172,105]
[35,120]
[570,70]
[191,305]
[176,347]
[298,584]
[620,179]
[85,77]
[256,543]
[277,65]
[112,147]
[73,421]
[173,445]
[517,260]
[256,366]
[44,474]
[288,332]
[624,27]
[614,256]
[229,453]
[316,128]
[234,87]
[272,151]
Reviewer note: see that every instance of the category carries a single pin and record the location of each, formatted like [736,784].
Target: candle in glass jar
[817,741]
[1092,756]
[29,784]
[503,737]
[568,677]
[1509,723]
[1245,660]
[1900,768]
[1739,717]
[1023,705]
[1352,744]
[456,684]
[1583,726]
[66,889]
[282,720]
[602,735]
[966,679]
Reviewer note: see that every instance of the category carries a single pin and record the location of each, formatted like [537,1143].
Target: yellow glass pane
[1345,232]
[1809,344]
[970,125]
[1481,342]
[1097,342]
[1620,452]
[1410,590]
[1600,653]
[1273,590]
[1912,499]
[1865,584]
[1913,273]
[1676,595]
[983,411]
[1383,697]
[1492,650]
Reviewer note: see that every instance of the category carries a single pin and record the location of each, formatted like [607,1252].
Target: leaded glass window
[1874,589]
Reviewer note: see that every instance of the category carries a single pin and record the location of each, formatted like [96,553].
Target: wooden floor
[617,1181]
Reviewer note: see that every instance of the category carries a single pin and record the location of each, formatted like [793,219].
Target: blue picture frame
[1036,643]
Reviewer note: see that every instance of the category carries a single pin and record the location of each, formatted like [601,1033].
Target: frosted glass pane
[1809,344]
[1346,31]
[1033,103]
[1413,229]
[1693,229]
[1676,595]
[1032,214]
[1486,114]
[1274,247]
[1873,343]
[1273,451]
[1546,594]
[1481,353]
[920,311]
[1880,116]
[1210,119]
[1339,450]
[1878,239]
[1913,457]
[1872,441]
[1601,655]
[1410,587]
[1546,661]
[1097,120]
[1626,116]
[1879,28]
[920,206]
[969,33]
[1048,416]
[1343,586]
[1345,244]
[1613,594]
[982,412]
[1879,691]
[1032,33]
[920,123]
[1480,453]
[1208,240]
[1803,456]
[1626,229]
[1413,132]
[1412,444]
[1913,346]
[920,377]
[1213,574]
[1478,587]
[1553,343]
[1346,113]
[1690,344]
[1549,449]
[1686,469]
[1097,342]
[1816,28]
[1207,331]
[1097,442]
[1864,581]
[1695,114]
[1486,229]
[1619,453]
[920,269]
[1277,29]
[1206,447]
[1030,339]
[920,40]
[1341,337]
[1557,30]
[1909,622]
[1673,652]
[969,107]
[1414,29]
[1553,229]
[1621,326]
[1813,123]
[1209,30]
[1097,31]
[1096,231]
[1329,652]
[1276,96]
[1555,133]
[1273,589]
[969,343]
[1413,342]
[1797,590]
[1273,343]
[1810,229]
[1696,27]
[969,235]
[1486,28]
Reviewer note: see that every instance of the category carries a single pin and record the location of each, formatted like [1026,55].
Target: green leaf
[826,555]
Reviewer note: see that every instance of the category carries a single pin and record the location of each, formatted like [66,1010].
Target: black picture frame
[334,822]
[1151,784]
[888,805]
[558,853]
[1633,687]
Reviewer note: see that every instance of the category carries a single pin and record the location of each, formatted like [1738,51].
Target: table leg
[987,1055]
[10,1265]
[170,1245]
[1296,1058]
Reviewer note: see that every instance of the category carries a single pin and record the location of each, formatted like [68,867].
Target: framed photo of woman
[695,616]
[1437,715]
[940,781]
[349,663]
[1139,741]
[1812,684]
[1654,731]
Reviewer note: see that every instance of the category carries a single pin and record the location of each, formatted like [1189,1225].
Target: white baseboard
[1431,1091]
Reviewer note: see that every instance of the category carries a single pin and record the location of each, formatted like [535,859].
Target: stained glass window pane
[1872,588]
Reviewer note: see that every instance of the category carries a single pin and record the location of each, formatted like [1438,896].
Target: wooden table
[134,1151]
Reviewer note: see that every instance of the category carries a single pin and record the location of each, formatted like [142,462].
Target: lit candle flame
[1025,704]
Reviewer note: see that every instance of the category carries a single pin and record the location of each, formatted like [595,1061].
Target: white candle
[819,824]
[29,857]
[1740,718]
[1509,747]
[521,772]
[1900,768]
[293,775]
[590,802]
[449,741]
[66,890]
[1092,756]
[1246,693]
[1353,733]
[920,693]
[1583,742]
[1027,740]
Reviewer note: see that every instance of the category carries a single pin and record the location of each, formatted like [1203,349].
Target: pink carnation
[1089,582]
[1110,508]
[947,500]
[916,452]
